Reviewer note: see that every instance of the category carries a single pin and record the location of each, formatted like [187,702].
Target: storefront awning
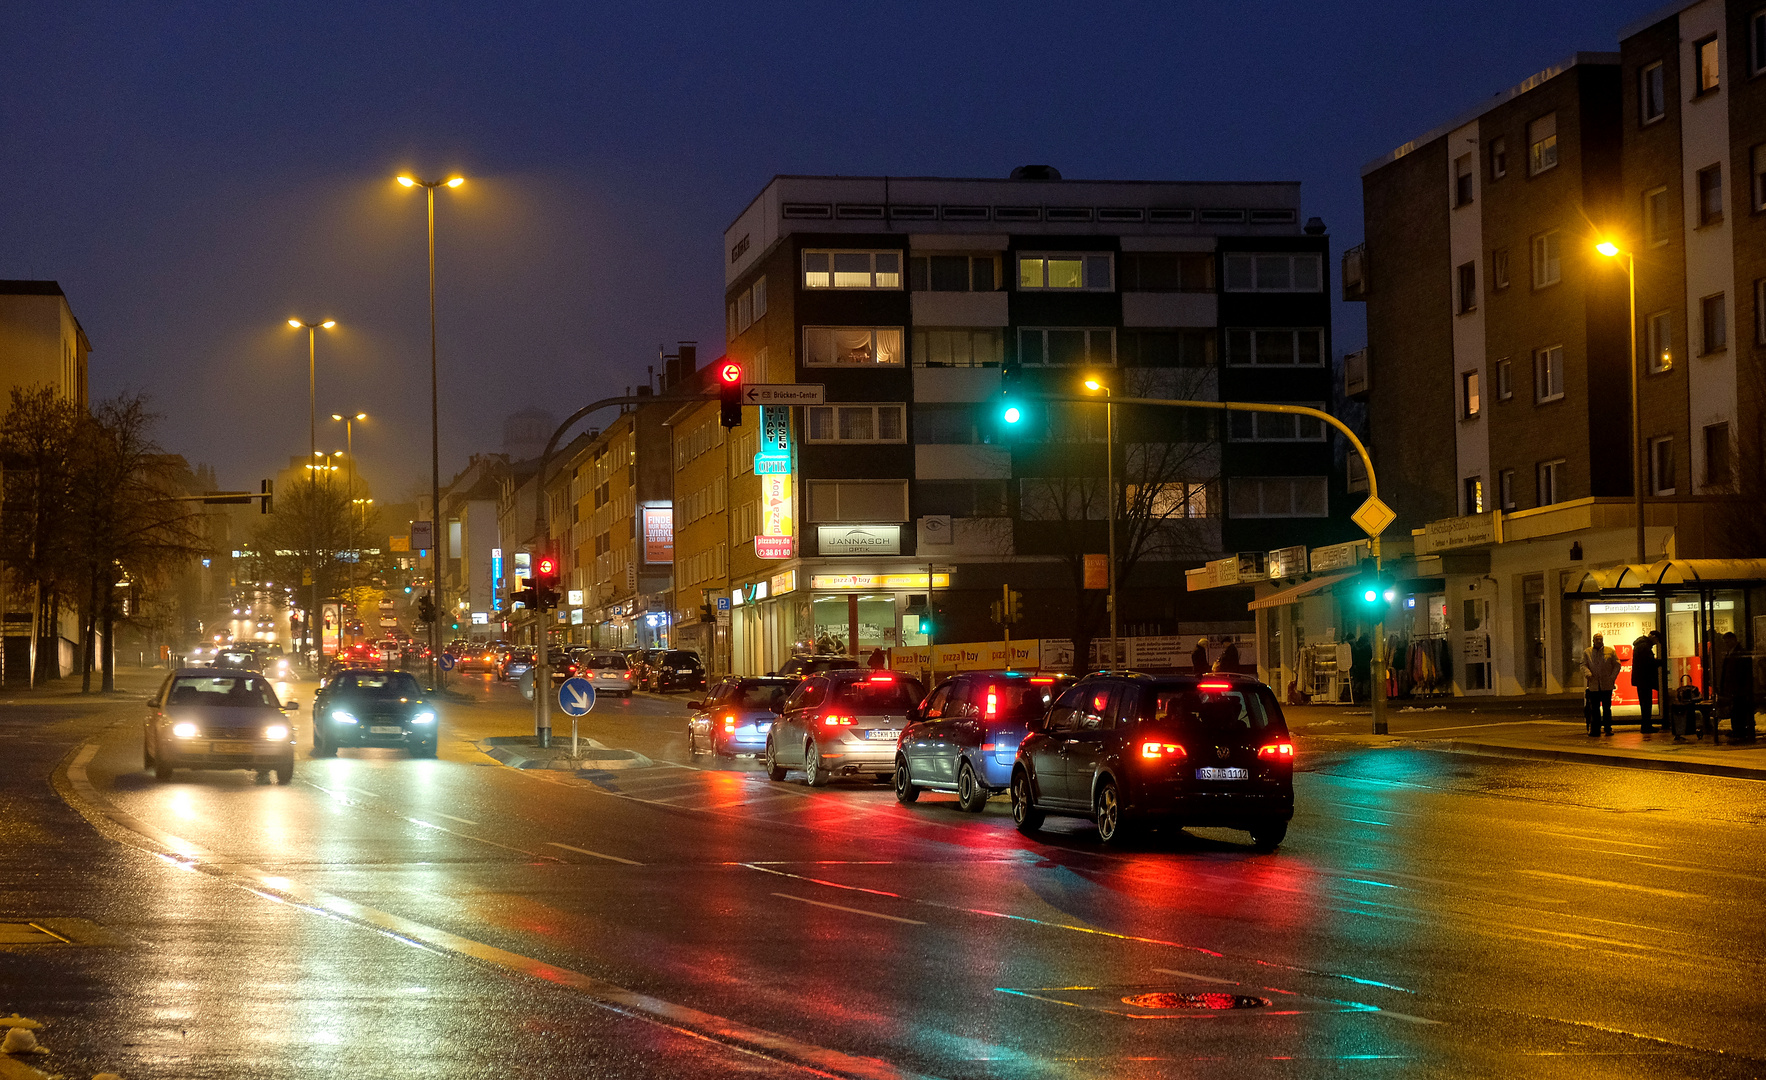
[1295,592]
[1673,572]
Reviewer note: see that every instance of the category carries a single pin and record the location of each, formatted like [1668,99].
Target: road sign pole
[542,684]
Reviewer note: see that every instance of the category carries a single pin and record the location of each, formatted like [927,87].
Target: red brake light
[1040,680]
[628,673]
[730,722]
[993,702]
[1154,751]
[1276,750]
[882,676]
[1214,686]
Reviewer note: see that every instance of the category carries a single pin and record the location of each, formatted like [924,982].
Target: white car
[609,672]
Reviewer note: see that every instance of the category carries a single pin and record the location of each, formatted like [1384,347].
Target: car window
[809,694]
[222,693]
[1213,710]
[936,701]
[1065,715]
[1095,713]
[1010,699]
[607,660]
[682,658]
[1124,708]
[877,695]
[386,684]
[758,695]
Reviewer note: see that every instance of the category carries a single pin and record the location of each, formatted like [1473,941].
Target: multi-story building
[908,298]
[701,458]
[473,537]
[622,497]
[41,343]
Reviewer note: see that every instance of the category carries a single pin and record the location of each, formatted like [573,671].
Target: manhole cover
[1167,1000]
[29,933]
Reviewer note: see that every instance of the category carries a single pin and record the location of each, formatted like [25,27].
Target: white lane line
[596,854]
[1406,1017]
[1198,978]
[450,817]
[1602,840]
[850,910]
[362,791]
[1627,886]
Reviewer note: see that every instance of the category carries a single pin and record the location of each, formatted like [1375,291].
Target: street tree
[37,439]
[313,537]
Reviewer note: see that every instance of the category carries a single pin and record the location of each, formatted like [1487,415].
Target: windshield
[897,695]
[1212,710]
[681,658]
[606,660]
[754,695]
[389,684]
[223,692]
[234,659]
[1014,699]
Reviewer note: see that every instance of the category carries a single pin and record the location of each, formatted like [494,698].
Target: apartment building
[702,453]
[41,343]
[909,298]
[613,513]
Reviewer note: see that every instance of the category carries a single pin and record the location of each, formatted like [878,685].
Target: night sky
[194,175]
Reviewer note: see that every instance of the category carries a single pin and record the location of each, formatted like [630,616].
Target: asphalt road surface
[1429,915]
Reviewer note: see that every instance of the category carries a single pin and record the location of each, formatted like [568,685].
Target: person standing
[1738,687]
[1645,678]
[1199,656]
[878,661]
[1600,666]
[1229,658]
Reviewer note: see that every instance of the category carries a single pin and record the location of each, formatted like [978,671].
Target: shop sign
[1287,562]
[776,517]
[576,617]
[785,582]
[858,539]
[735,599]
[481,618]
[877,581]
[774,457]
[574,597]
[771,464]
[1471,530]
[659,534]
[393,543]
[422,535]
[772,547]
[1097,572]
[1338,556]
[936,529]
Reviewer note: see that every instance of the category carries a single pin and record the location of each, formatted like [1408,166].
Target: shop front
[799,611]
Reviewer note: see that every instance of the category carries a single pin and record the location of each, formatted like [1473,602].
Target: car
[1129,749]
[677,669]
[643,666]
[736,715]
[842,723]
[799,667]
[238,659]
[514,663]
[374,708]
[476,658]
[964,737]
[218,718]
[608,671]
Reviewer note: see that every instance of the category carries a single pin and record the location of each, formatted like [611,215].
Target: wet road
[1429,915]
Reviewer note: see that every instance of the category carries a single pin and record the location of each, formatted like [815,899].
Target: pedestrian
[1229,658]
[1600,667]
[1645,678]
[1738,687]
[878,660]
[1199,656]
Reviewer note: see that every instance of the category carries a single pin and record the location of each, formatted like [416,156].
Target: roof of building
[31,288]
[1667,11]
[1515,91]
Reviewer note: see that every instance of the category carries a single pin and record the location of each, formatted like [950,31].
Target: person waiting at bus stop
[1600,666]
[1646,676]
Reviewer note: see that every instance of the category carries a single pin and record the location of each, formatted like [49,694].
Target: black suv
[1126,749]
[802,667]
[675,669]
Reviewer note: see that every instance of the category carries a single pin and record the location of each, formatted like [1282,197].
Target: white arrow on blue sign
[576,696]
[445,662]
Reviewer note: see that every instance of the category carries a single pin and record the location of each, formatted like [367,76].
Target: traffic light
[1375,593]
[1014,410]
[268,488]
[729,392]
[925,622]
[545,582]
[708,613]
[425,608]
[523,594]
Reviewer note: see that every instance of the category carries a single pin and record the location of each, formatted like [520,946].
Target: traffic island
[525,752]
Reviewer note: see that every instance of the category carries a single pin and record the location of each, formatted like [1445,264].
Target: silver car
[842,723]
[218,718]
[609,672]
[736,715]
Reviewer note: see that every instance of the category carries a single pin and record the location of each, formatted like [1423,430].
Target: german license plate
[881,734]
[241,747]
[763,726]
[1212,773]
[384,729]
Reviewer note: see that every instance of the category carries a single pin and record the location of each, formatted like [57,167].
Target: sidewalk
[1549,728]
[135,682]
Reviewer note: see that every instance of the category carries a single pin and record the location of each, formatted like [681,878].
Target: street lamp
[349,447]
[1097,386]
[1613,251]
[435,522]
[312,329]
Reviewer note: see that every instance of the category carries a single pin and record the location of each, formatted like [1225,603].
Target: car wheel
[692,743]
[423,750]
[146,755]
[1269,836]
[971,795]
[1025,815]
[285,774]
[774,771]
[906,791]
[813,773]
[323,747]
[1112,826]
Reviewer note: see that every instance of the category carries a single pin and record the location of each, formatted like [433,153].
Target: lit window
[854,423]
[852,346]
[1658,342]
[1077,271]
[852,269]
[1542,144]
[1707,53]
[1474,495]
[1469,396]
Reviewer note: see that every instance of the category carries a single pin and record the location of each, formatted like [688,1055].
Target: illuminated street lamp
[1613,251]
[1097,386]
[312,329]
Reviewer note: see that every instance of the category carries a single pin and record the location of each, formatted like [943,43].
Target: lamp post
[312,329]
[436,535]
[1612,251]
[1097,386]
[349,451]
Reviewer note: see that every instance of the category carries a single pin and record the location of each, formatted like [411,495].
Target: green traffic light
[1371,596]
[1013,415]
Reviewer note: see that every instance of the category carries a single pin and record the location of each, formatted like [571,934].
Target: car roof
[1235,679]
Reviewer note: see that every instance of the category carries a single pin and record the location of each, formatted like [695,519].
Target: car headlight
[185,730]
[276,732]
[423,718]
[338,716]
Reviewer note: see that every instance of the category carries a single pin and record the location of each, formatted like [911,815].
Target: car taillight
[1214,686]
[1277,751]
[628,673]
[993,703]
[730,722]
[1041,681]
[1158,751]
[833,719]
[882,677]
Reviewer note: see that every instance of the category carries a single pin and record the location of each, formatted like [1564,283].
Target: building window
[1551,481]
[1505,387]
[1658,334]
[1355,473]
[1661,466]
[943,424]
[858,500]
[1706,51]
[1658,221]
[1064,346]
[1474,494]
[1652,94]
[1714,317]
[1548,374]
[1542,144]
[852,346]
[961,498]
[1499,268]
[1277,496]
[1274,348]
[748,308]
[1757,43]
[1757,192]
[1259,272]
[1462,180]
[1711,195]
[1275,427]
[852,269]
[954,273]
[1468,394]
[1067,272]
[1548,266]
[1498,158]
[1162,502]
[962,347]
[854,423]
[1717,470]
[1155,272]
[1166,348]
[1061,498]
[1505,488]
[1466,291]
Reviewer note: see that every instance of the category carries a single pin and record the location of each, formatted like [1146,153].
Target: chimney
[671,367]
[689,358]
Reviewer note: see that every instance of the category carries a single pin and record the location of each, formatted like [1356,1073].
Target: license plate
[241,747]
[1210,773]
[383,729]
[768,726]
[880,734]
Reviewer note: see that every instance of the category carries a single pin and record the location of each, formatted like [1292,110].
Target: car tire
[1025,814]
[323,747]
[423,750]
[971,793]
[770,760]
[692,743]
[162,771]
[906,791]
[146,755]
[285,774]
[1113,823]
[1269,835]
[813,773]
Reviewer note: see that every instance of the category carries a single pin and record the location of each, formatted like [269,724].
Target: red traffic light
[730,373]
[547,565]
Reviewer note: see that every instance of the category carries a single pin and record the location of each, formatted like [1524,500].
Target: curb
[1735,772]
[598,759]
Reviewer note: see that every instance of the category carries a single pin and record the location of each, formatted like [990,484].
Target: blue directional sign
[576,696]
[445,662]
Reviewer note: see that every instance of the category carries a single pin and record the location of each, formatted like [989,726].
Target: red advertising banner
[659,534]
[772,547]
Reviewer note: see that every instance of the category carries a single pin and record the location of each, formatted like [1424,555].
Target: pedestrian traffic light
[926,622]
[707,613]
[729,392]
[425,608]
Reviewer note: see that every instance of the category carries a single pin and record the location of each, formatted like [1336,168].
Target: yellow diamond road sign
[1373,517]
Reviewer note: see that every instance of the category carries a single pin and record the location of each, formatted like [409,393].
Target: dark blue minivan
[965,735]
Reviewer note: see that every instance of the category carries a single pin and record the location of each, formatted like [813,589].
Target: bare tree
[37,439]
[314,537]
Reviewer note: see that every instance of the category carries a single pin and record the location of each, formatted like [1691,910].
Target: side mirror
[290,705]
[1036,723]
[695,704]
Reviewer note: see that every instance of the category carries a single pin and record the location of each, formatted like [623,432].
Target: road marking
[1198,978]
[849,910]
[363,791]
[450,817]
[596,854]
[1627,886]
[1602,840]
